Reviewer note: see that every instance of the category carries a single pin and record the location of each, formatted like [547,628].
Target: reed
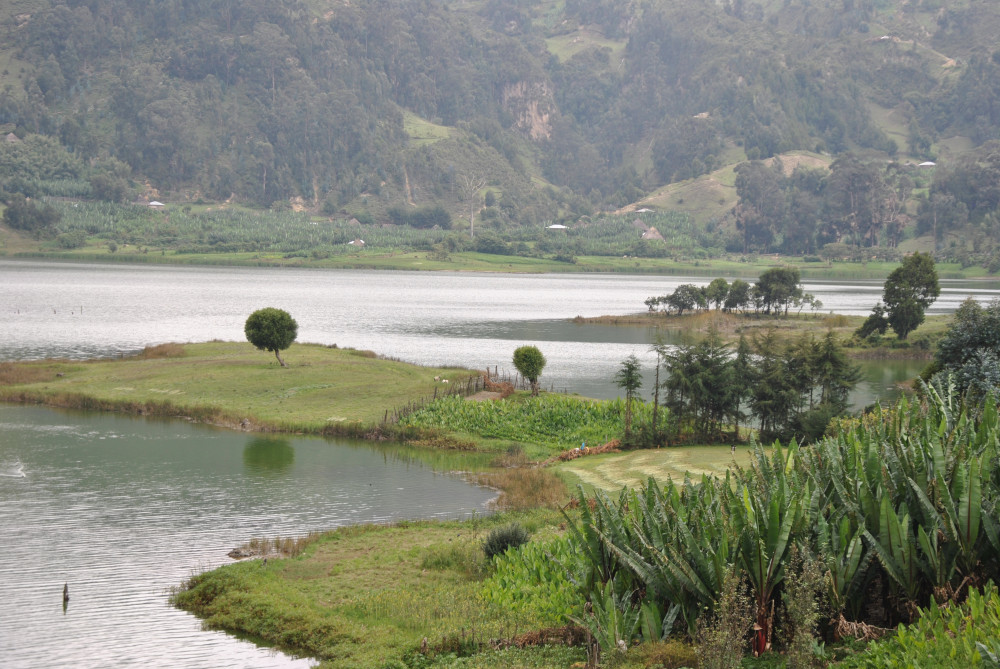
[525,488]
[12,374]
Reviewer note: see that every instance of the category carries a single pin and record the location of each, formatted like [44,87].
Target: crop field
[547,423]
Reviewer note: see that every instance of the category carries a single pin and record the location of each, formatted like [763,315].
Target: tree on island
[529,361]
[909,290]
[271,329]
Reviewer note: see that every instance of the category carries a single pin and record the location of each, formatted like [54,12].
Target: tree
[471,184]
[717,292]
[970,350]
[761,206]
[629,378]
[779,287]
[876,322]
[23,214]
[271,329]
[738,296]
[686,297]
[909,290]
[529,361]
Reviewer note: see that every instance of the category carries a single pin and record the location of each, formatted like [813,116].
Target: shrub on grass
[945,636]
[501,539]
[535,582]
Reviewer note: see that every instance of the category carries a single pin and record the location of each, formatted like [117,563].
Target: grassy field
[612,471]
[366,596]
[227,383]
[14,246]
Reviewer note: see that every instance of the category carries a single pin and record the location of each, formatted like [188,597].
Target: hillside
[519,111]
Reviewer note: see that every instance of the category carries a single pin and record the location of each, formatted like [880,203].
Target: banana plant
[612,620]
[846,560]
[763,522]
[896,548]
[680,557]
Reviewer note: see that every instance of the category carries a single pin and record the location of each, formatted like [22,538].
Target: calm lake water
[123,509]
[471,320]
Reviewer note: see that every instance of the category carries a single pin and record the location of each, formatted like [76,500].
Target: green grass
[361,596]
[227,381]
[422,131]
[540,425]
[613,471]
[568,45]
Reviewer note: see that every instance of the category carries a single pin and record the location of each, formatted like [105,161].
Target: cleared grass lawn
[320,386]
[613,471]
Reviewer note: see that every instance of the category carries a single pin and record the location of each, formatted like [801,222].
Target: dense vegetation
[548,422]
[519,113]
[896,509]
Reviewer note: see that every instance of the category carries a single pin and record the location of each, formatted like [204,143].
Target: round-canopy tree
[529,361]
[271,329]
[909,290]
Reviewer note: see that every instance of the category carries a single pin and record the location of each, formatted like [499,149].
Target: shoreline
[483,263]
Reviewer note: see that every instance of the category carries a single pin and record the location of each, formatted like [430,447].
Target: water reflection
[122,509]
[268,456]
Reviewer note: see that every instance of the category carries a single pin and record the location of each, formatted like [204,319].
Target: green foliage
[611,619]
[779,287]
[271,329]
[552,421]
[944,636]
[421,217]
[969,352]
[792,388]
[802,608]
[629,378]
[250,104]
[530,362]
[39,165]
[28,216]
[875,323]
[535,581]
[502,539]
[907,499]
[909,290]
[722,635]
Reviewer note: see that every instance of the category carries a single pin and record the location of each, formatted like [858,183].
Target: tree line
[267,100]
[774,292]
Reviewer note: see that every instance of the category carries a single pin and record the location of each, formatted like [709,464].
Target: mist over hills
[538,110]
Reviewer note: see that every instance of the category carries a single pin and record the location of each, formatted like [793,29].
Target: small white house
[156,204]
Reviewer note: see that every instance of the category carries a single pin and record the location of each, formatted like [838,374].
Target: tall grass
[20,373]
[524,488]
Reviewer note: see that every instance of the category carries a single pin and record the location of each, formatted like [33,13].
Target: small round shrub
[499,540]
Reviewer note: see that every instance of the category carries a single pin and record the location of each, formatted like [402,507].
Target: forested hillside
[534,109]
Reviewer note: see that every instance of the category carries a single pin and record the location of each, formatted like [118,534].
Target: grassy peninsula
[323,391]
[426,594]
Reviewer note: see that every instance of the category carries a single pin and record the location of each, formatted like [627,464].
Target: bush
[535,582]
[502,538]
[945,636]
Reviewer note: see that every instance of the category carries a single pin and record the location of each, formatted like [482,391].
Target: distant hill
[536,109]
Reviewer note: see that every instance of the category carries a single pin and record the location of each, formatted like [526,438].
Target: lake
[434,318]
[122,509]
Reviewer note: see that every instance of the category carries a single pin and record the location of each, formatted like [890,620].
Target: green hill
[537,110]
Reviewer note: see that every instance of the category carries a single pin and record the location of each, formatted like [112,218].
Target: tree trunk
[277,354]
